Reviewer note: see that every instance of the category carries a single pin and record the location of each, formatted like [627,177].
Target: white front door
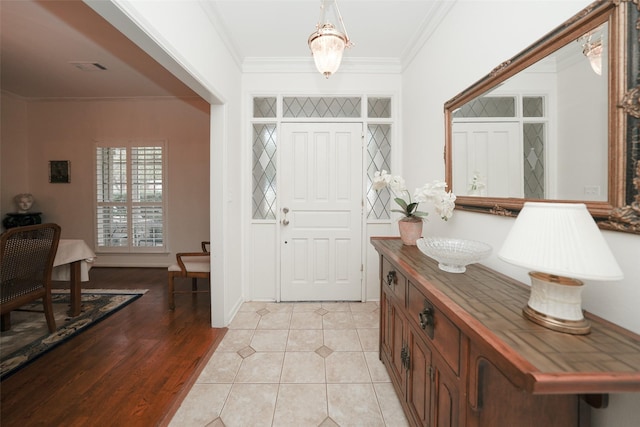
[320,186]
[493,152]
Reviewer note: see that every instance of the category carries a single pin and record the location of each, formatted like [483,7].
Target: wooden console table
[460,353]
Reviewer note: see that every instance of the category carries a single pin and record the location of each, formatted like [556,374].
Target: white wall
[581,132]
[182,36]
[36,132]
[475,37]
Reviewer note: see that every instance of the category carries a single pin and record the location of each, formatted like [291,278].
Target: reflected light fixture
[327,43]
[593,51]
[561,243]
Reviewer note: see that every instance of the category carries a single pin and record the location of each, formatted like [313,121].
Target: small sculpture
[23,201]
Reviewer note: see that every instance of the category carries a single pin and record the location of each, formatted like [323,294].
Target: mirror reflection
[541,134]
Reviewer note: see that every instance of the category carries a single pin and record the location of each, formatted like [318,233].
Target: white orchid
[445,205]
[384,179]
[477,182]
[380,180]
[434,192]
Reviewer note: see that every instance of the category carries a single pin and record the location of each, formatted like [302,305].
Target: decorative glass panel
[264,107]
[321,107]
[488,106]
[378,158]
[264,171]
[532,106]
[533,137]
[379,108]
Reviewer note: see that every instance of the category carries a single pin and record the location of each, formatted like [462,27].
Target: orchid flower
[434,192]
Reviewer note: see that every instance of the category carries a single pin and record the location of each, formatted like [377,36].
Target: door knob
[285,221]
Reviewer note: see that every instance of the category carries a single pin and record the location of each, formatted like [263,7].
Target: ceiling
[44,42]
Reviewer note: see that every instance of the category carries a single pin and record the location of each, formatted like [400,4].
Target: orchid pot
[410,225]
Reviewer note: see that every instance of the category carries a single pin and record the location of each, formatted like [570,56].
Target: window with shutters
[130,197]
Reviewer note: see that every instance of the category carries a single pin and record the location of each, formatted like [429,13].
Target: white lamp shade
[560,239]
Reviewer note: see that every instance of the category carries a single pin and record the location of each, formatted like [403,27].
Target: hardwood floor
[132,369]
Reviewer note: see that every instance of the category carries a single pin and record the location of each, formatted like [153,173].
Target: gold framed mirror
[559,121]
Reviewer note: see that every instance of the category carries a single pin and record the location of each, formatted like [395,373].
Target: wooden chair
[26,262]
[196,265]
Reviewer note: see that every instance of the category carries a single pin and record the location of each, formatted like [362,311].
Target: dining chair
[194,265]
[26,262]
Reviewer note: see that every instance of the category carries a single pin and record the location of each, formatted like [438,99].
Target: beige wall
[14,169]
[67,130]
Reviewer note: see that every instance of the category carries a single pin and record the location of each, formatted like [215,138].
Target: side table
[21,219]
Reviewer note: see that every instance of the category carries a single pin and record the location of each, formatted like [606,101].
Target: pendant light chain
[349,42]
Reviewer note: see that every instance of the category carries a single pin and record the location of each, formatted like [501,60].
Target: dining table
[73,260]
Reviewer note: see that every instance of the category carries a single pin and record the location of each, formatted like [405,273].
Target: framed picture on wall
[59,171]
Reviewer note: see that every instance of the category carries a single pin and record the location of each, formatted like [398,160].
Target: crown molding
[306,65]
[433,19]
[212,13]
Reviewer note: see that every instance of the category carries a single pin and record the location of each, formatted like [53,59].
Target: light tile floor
[295,364]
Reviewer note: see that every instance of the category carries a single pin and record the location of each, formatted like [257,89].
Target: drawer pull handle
[392,278]
[405,359]
[426,317]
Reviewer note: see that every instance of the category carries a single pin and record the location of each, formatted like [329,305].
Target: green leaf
[401,202]
[412,207]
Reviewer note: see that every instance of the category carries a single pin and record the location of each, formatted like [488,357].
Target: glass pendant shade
[327,45]
[595,58]
[593,51]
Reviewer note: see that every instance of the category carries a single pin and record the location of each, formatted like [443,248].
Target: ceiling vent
[88,66]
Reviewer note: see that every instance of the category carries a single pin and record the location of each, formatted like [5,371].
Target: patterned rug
[29,337]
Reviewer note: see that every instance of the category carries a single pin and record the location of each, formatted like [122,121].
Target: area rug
[29,337]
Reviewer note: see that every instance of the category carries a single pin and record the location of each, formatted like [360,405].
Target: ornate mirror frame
[621,210]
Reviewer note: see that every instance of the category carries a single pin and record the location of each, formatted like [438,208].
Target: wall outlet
[592,190]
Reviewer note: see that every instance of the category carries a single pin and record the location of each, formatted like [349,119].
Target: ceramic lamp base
[555,303]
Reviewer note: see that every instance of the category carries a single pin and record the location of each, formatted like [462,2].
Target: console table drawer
[437,328]
[394,282]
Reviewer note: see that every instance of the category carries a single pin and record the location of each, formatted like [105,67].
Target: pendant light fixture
[593,51]
[327,43]
[593,48]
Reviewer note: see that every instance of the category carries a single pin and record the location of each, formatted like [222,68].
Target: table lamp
[560,243]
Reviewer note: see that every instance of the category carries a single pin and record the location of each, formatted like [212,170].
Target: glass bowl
[453,255]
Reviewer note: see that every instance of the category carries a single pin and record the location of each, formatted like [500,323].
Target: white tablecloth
[70,250]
